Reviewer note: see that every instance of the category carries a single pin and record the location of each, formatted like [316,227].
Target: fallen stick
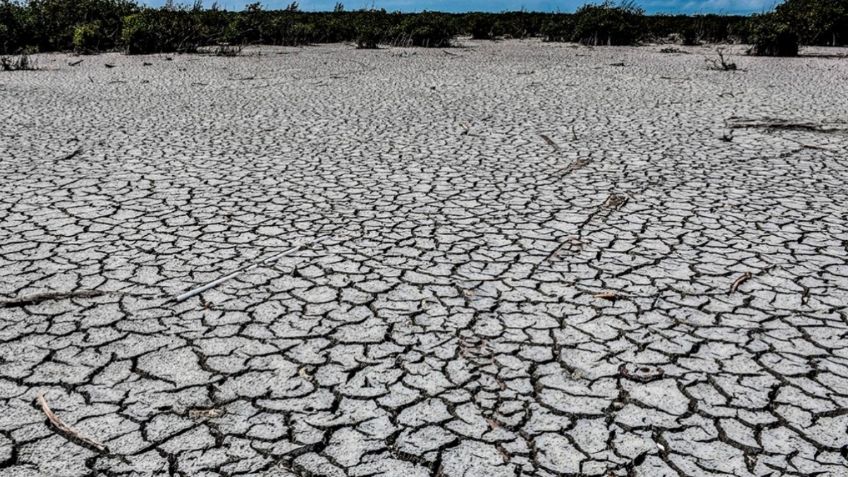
[606,295]
[72,154]
[785,124]
[42,297]
[239,271]
[549,141]
[69,432]
[739,281]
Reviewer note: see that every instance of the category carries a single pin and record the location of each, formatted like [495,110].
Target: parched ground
[516,259]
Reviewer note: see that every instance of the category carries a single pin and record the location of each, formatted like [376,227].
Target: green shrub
[482,26]
[425,29]
[608,24]
[302,33]
[211,25]
[772,37]
[53,23]
[815,22]
[558,29]
[160,31]
[14,33]
[689,37]
[89,38]
[368,36]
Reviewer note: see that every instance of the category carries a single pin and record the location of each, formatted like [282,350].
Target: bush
[302,33]
[816,22]
[608,24]
[53,23]
[425,29]
[13,27]
[89,38]
[160,31]
[481,26]
[211,25]
[558,29]
[773,37]
[367,36]
[689,37]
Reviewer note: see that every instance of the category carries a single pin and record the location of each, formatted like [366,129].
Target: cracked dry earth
[517,259]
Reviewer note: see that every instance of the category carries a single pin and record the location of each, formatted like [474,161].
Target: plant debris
[739,281]
[205,413]
[574,166]
[784,124]
[615,201]
[642,374]
[68,431]
[73,154]
[42,297]
[720,63]
[549,141]
[606,295]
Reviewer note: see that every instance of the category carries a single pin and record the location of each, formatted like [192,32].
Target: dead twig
[574,166]
[69,432]
[720,64]
[550,142]
[73,154]
[42,297]
[615,201]
[739,281]
[606,295]
[784,124]
[75,63]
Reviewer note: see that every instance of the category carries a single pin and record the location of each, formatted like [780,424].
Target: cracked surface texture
[518,259]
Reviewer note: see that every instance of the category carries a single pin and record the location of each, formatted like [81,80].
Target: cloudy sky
[651,6]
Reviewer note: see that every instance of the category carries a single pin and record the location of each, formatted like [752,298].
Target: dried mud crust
[532,263]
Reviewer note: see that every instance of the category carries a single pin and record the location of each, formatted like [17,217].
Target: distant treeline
[88,26]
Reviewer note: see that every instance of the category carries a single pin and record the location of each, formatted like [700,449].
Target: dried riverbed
[517,259]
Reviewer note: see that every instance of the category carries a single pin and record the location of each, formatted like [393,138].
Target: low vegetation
[89,26]
[608,24]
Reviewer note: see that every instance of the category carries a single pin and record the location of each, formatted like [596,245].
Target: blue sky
[651,6]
